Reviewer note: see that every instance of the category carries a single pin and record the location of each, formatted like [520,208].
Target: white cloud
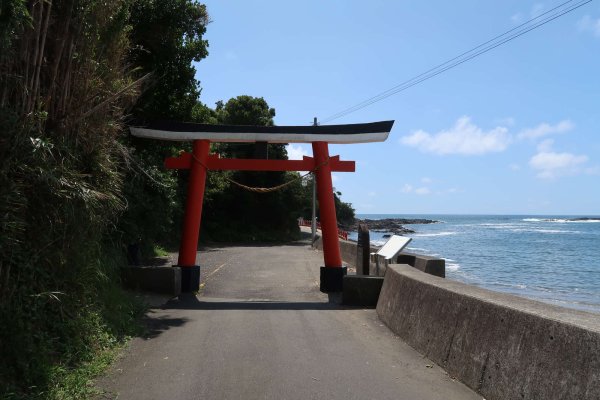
[422,191]
[365,206]
[516,18]
[506,121]
[426,180]
[545,146]
[589,24]
[592,170]
[406,188]
[231,55]
[536,10]
[451,190]
[550,164]
[372,194]
[514,167]
[296,152]
[463,138]
[545,129]
[519,17]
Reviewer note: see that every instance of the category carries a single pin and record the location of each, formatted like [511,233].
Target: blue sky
[514,131]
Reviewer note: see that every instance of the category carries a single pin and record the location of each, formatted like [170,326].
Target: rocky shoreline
[390,225]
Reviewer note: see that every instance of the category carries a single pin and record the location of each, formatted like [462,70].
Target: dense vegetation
[76,190]
[62,92]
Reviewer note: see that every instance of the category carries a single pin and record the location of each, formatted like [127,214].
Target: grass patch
[54,345]
[160,251]
[78,383]
[101,338]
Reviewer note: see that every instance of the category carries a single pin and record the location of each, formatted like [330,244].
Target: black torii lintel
[183,131]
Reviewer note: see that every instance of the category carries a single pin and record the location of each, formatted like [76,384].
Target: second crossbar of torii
[200,161]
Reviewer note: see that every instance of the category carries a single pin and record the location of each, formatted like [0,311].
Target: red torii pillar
[333,273]
[190,271]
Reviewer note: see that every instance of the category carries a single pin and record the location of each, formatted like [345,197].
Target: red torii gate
[200,161]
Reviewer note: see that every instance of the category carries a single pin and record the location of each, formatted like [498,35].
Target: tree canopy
[250,215]
[166,36]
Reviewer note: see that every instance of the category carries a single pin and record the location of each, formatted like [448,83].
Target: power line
[449,61]
[491,44]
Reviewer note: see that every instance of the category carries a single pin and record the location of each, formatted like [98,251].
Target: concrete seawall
[502,346]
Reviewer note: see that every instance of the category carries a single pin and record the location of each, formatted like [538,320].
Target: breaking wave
[563,220]
[434,234]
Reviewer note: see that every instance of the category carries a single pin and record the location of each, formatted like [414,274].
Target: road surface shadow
[154,325]
[191,302]
[224,245]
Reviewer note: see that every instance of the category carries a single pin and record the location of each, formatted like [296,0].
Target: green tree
[63,92]
[235,214]
[246,110]
[166,36]
[344,211]
[203,114]
[253,111]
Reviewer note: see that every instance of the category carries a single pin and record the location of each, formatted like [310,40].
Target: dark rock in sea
[583,219]
[391,225]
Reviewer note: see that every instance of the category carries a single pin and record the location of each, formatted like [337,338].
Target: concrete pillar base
[332,279]
[190,279]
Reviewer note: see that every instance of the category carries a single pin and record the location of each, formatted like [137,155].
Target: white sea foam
[418,249]
[503,226]
[435,234]
[552,231]
[562,220]
[452,267]
[520,286]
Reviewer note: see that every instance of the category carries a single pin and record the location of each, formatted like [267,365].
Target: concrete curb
[162,279]
[503,346]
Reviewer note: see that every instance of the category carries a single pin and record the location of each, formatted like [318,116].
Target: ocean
[552,258]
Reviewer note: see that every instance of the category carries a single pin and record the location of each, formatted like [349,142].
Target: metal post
[314,210]
[314,201]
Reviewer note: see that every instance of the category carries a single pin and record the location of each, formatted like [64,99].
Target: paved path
[260,329]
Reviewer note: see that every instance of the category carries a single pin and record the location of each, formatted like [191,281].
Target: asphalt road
[260,329]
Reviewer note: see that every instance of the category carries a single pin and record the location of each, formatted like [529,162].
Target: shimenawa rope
[261,189]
